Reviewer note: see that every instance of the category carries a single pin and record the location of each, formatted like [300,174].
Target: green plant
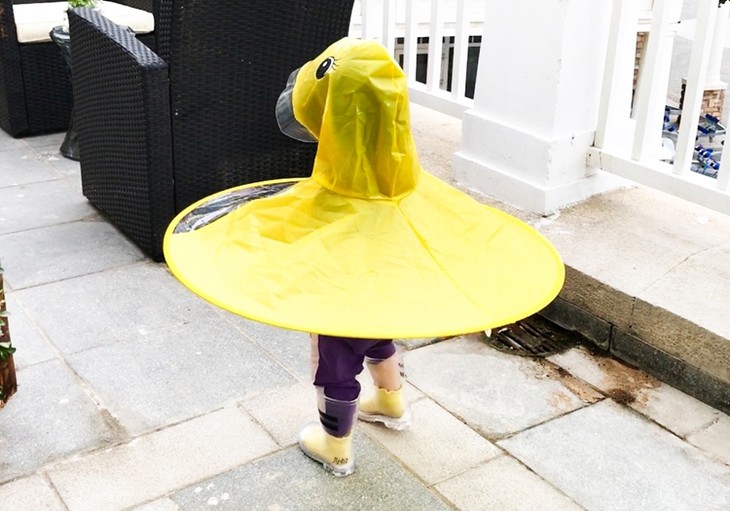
[82,3]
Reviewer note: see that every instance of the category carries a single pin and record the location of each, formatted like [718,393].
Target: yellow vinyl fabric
[370,245]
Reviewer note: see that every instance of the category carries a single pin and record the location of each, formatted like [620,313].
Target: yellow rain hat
[370,245]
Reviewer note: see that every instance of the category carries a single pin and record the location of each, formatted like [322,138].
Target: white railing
[449,25]
[635,138]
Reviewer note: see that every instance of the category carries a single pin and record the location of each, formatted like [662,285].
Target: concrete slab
[289,480]
[63,251]
[64,166]
[11,146]
[436,446]
[283,411]
[41,204]
[680,413]
[144,297]
[289,347]
[31,344]
[47,140]
[673,370]
[668,314]
[158,505]
[32,494]
[597,298]
[504,484]
[495,393]
[714,439]
[25,169]
[154,465]
[154,380]
[606,457]
[669,331]
[644,224]
[50,418]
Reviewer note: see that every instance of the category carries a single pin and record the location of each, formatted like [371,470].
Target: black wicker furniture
[158,131]
[35,88]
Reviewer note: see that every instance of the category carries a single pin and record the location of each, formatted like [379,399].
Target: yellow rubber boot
[334,453]
[330,440]
[386,406]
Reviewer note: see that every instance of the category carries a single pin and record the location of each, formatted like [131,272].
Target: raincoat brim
[310,260]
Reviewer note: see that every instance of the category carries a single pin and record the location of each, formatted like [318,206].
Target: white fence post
[614,127]
[651,91]
[695,89]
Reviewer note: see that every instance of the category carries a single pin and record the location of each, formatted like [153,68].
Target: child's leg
[387,403]
[336,362]
[386,373]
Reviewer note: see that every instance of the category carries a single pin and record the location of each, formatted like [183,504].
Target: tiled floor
[136,394]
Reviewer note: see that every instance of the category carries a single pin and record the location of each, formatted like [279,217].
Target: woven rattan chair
[35,88]
[158,133]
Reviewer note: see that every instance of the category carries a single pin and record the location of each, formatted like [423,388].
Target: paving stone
[283,411]
[644,224]
[708,351]
[48,140]
[664,404]
[157,379]
[493,392]
[607,457]
[49,418]
[715,438]
[289,480]
[41,204]
[29,494]
[65,166]
[118,304]
[60,252]
[670,369]
[151,466]
[11,147]
[436,446]
[707,306]
[289,347]
[25,169]
[31,344]
[504,484]
[158,505]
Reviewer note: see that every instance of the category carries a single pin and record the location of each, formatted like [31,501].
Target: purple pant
[341,360]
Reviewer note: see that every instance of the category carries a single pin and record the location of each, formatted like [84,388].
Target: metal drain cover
[532,337]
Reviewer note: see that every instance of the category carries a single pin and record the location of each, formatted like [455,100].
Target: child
[368,249]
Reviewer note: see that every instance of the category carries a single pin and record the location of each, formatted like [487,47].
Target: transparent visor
[288,124]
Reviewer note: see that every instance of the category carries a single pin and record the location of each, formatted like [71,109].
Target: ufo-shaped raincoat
[370,245]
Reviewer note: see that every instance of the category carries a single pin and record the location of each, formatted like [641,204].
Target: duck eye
[326,65]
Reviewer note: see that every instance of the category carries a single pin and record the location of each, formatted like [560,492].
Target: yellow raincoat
[370,245]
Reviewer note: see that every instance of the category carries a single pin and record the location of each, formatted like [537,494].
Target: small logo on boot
[340,461]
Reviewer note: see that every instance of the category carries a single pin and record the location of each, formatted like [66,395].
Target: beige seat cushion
[34,22]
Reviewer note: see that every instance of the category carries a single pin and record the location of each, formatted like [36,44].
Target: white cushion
[33,22]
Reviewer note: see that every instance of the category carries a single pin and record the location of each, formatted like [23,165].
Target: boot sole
[335,471]
[395,423]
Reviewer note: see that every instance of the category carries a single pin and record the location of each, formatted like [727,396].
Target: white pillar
[536,103]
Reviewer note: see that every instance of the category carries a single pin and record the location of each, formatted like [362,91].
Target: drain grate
[532,337]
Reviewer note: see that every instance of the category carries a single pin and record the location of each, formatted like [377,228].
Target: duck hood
[353,100]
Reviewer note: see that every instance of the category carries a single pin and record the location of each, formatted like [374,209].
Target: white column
[536,103]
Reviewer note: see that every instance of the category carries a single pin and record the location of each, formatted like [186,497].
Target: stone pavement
[137,395]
